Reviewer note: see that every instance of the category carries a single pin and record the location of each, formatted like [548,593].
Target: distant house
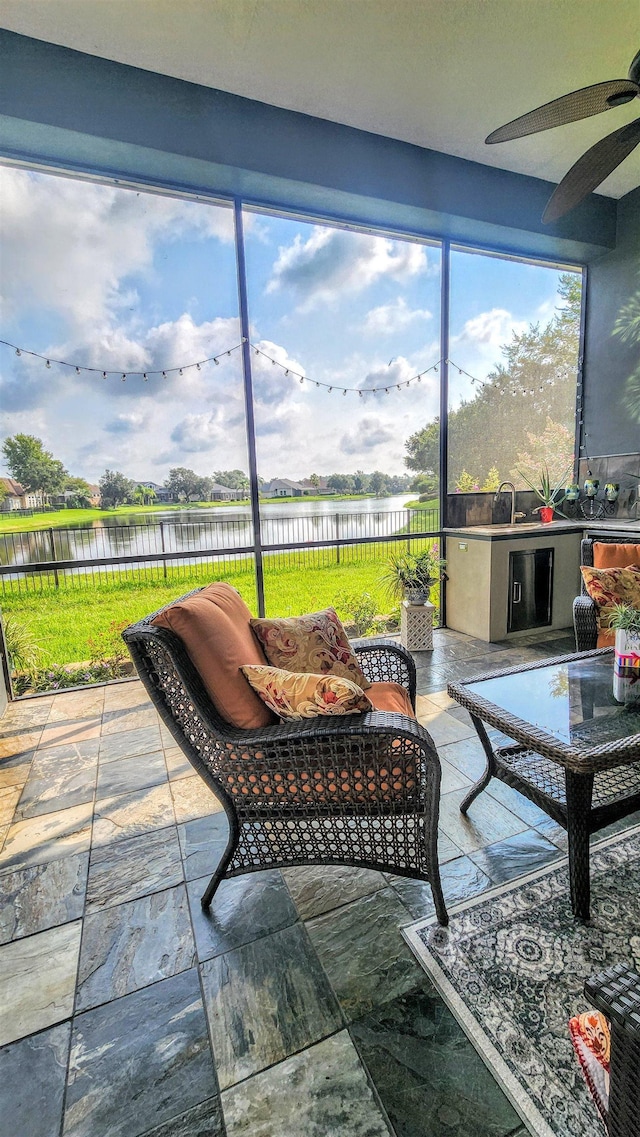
[320,487]
[161,492]
[223,493]
[284,487]
[18,498]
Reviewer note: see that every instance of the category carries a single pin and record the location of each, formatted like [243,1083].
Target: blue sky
[117,279]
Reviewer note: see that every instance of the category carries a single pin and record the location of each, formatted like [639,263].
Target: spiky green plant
[624,618]
[24,652]
[550,494]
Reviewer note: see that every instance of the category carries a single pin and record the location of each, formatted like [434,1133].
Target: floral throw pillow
[591,1040]
[607,587]
[315,644]
[298,695]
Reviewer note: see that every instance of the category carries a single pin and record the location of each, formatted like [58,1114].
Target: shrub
[361,610]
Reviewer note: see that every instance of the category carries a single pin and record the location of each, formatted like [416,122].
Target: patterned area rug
[512,964]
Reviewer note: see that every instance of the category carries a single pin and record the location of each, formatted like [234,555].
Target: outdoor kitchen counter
[478,564]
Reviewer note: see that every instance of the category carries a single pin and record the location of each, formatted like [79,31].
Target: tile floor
[296,1009]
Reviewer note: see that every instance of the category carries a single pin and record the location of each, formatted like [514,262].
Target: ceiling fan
[599,161]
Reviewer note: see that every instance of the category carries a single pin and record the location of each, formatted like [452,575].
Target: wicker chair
[616,993]
[371,781]
[585,613]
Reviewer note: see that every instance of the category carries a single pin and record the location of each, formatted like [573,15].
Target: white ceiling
[438,73]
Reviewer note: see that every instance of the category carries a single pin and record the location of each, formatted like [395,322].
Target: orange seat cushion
[390,697]
[609,555]
[214,628]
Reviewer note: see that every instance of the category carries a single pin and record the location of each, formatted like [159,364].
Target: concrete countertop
[538,529]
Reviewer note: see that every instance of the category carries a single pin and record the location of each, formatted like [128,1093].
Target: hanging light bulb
[301,377]
[164,375]
[216,361]
[48,363]
[77,370]
[123,377]
[345,391]
[197,366]
[145,377]
[104,375]
[18,352]
[179,372]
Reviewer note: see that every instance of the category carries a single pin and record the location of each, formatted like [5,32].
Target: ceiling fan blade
[569,108]
[591,169]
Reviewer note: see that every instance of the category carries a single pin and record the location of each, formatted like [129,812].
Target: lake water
[214,528]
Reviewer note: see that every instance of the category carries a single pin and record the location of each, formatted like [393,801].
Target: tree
[315,480]
[492,480]
[80,490]
[360,481]
[341,483]
[423,449]
[535,382]
[553,450]
[186,485]
[378,483]
[232,479]
[115,488]
[144,495]
[34,467]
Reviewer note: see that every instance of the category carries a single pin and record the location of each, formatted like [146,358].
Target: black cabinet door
[530,589]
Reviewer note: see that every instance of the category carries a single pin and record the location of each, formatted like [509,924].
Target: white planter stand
[626,667]
[416,626]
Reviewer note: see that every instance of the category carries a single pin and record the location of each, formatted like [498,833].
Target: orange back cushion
[214,628]
[606,555]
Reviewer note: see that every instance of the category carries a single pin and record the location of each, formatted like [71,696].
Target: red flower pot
[546,514]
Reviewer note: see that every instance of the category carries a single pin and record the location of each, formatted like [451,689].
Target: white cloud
[394,317]
[125,423]
[68,245]
[369,434]
[334,261]
[198,432]
[490,329]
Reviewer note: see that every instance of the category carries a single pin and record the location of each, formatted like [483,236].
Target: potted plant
[412,575]
[625,622]
[551,495]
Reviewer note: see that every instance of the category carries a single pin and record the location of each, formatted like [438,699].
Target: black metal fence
[83,557]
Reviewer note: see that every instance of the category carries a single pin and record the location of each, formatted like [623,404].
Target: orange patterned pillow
[607,587]
[591,1040]
[316,644]
[295,695]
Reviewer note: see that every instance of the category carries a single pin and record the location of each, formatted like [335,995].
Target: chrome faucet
[511,486]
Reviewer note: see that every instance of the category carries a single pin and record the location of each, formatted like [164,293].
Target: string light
[360,391]
[105,372]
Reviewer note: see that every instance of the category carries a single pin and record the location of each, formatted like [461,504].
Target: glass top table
[570,747]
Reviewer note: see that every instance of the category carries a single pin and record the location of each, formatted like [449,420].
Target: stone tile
[515,802]
[442,699]
[37,981]
[130,743]
[128,815]
[363,952]
[132,945]
[42,896]
[73,705]
[4,829]
[555,833]
[59,733]
[130,693]
[22,715]
[467,756]
[15,771]
[119,719]
[33,1073]
[39,840]
[442,727]
[9,797]
[124,775]
[60,778]
[204,1120]
[193,798]
[452,778]
[487,821]
[317,889]
[447,851]
[19,743]
[242,909]
[178,765]
[428,1075]
[516,856]
[139,1061]
[322,1092]
[461,880]
[202,842]
[265,1001]
[125,870]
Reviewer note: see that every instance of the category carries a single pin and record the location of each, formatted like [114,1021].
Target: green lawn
[63,620]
